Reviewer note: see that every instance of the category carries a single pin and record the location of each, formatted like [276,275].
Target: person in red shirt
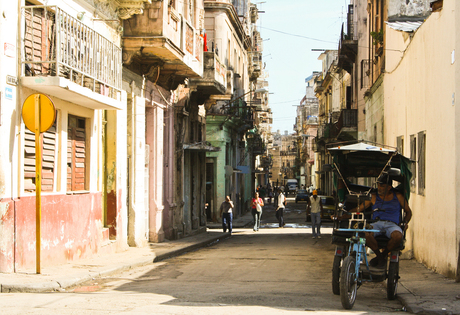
[257,204]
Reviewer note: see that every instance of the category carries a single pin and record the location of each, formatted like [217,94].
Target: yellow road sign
[38,113]
[47,112]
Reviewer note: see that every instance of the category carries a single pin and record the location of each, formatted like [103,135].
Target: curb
[61,284]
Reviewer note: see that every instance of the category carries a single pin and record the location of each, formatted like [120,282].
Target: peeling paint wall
[402,9]
[71,228]
[7,233]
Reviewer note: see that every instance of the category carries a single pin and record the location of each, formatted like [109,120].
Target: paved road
[273,271]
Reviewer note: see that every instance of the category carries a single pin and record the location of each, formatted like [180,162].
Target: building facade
[83,152]
[404,71]
[124,158]
[230,116]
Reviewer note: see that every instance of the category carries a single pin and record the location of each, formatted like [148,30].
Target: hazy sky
[291,29]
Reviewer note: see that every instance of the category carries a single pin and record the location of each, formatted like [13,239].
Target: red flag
[205,47]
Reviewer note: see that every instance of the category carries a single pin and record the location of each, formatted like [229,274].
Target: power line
[296,35]
[297,100]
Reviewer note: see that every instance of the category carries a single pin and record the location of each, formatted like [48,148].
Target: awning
[361,146]
[243,169]
[405,26]
[201,147]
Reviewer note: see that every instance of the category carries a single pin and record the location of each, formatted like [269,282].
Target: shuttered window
[76,154]
[421,137]
[413,157]
[38,40]
[48,141]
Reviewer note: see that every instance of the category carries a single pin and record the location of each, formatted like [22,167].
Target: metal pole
[38,186]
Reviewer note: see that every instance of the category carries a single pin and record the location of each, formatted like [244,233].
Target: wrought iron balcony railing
[348,119]
[57,44]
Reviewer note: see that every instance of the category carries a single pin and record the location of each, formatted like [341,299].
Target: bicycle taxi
[362,163]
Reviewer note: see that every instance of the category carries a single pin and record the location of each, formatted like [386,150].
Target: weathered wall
[7,214]
[71,228]
[137,214]
[375,113]
[217,138]
[157,101]
[421,88]
[398,9]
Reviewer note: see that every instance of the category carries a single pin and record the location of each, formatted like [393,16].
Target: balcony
[327,132]
[64,58]
[348,49]
[347,125]
[257,145]
[163,45]
[235,111]
[255,66]
[214,79]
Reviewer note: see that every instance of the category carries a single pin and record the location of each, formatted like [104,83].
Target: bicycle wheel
[348,283]
[392,281]
[336,275]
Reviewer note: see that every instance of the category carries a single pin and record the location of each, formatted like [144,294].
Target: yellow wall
[420,88]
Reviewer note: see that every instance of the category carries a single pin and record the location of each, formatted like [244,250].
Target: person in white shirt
[316,207]
[280,208]
[226,214]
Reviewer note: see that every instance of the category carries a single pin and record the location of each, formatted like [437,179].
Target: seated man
[391,202]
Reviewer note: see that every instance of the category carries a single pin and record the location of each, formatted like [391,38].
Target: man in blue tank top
[389,220]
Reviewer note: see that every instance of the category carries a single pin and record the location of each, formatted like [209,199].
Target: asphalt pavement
[420,290]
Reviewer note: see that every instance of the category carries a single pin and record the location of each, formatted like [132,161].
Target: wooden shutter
[421,137]
[48,141]
[76,154]
[413,156]
[38,40]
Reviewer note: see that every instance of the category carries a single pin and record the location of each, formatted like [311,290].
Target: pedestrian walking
[269,193]
[226,214]
[316,207]
[280,208]
[257,204]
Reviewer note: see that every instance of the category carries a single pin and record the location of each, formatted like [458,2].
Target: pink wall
[7,236]
[71,228]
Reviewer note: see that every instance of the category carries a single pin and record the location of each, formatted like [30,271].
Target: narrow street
[275,270]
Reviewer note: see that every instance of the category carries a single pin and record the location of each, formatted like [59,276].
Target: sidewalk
[420,290]
[423,291]
[62,277]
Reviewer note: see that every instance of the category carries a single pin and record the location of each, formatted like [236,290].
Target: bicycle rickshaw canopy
[369,160]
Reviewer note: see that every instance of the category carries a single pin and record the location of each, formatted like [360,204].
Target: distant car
[328,208]
[302,195]
[291,189]
[291,186]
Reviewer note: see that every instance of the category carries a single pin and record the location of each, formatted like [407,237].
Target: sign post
[38,113]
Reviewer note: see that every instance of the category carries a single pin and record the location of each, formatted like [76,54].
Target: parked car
[302,195]
[328,208]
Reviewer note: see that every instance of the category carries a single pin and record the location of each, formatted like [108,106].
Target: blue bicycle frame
[358,244]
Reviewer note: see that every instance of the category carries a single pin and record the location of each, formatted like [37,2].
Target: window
[413,157]
[421,137]
[48,141]
[76,154]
